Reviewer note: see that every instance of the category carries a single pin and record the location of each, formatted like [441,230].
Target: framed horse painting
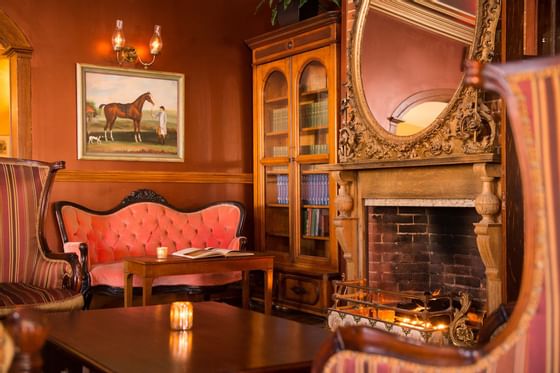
[128,114]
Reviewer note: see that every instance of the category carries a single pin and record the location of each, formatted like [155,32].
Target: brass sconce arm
[127,54]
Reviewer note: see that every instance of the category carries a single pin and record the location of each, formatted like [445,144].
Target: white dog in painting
[94,139]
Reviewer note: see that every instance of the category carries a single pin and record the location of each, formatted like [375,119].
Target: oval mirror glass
[411,54]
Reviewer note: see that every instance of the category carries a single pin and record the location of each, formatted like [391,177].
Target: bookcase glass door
[313,109]
[276,115]
[314,217]
[277,210]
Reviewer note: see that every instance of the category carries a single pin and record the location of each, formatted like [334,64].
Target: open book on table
[209,252]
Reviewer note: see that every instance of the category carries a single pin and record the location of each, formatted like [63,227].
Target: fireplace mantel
[473,179]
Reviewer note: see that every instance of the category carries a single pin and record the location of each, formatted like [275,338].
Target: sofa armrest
[238,243]
[81,251]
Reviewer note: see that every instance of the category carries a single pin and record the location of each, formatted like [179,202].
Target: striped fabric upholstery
[27,276]
[14,293]
[536,93]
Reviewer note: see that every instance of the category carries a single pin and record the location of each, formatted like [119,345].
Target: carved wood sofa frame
[175,217]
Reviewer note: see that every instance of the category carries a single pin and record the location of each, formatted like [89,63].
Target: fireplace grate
[430,317]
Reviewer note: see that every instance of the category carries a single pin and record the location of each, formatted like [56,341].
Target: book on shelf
[209,252]
[314,114]
[315,189]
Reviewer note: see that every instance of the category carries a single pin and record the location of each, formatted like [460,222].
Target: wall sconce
[127,53]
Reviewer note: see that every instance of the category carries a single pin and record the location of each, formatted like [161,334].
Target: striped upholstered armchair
[30,274]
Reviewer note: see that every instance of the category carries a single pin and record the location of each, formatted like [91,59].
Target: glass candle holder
[161,252]
[181,316]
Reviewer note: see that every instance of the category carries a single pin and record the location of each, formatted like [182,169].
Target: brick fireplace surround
[456,241]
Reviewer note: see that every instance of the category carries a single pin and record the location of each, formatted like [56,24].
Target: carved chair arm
[377,342]
[80,250]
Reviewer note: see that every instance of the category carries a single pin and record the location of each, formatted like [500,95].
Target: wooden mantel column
[346,222]
[489,231]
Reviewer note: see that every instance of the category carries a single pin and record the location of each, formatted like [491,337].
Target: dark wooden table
[148,268]
[138,339]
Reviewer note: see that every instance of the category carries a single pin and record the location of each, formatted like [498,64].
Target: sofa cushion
[112,275]
[18,295]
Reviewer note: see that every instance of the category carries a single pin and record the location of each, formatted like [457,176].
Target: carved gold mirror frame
[456,132]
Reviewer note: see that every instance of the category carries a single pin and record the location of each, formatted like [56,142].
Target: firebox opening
[423,249]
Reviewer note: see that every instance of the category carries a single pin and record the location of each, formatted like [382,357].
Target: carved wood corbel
[489,231]
[346,221]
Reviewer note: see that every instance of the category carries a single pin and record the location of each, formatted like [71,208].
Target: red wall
[203,40]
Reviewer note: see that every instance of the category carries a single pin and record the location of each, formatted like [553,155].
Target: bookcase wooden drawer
[293,288]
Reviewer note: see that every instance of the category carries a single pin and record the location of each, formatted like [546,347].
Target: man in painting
[161,130]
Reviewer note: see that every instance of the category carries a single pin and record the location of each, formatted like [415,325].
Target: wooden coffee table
[148,268]
[138,339]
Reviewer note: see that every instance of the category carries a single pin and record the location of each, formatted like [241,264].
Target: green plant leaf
[302,3]
[287,3]
[274,16]
[337,2]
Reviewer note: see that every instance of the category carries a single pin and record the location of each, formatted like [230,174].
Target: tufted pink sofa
[136,227]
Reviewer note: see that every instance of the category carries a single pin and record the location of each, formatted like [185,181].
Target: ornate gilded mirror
[406,97]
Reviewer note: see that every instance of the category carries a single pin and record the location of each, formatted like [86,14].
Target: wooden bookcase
[295,103]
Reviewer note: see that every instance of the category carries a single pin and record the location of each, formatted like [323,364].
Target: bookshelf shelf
[276,100]
[315,206]
[278,205]
[314,92]
[319,238]
[314,129]
[278,234]
[276,133]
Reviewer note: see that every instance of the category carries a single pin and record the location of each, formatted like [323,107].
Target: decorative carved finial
[344,202]
[143,195]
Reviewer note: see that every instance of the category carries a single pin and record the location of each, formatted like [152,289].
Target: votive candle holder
[181,316]
[161,252]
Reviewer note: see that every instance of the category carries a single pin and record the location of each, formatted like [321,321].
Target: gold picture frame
[130,115]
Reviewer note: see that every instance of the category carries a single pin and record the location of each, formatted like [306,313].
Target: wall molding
[154,177]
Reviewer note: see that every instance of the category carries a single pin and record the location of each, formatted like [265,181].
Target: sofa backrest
[137,229]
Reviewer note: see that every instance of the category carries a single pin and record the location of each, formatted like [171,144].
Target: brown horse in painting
[131,111]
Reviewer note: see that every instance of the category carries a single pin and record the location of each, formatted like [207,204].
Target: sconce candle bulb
[155,42]
[127,53]
[118,36]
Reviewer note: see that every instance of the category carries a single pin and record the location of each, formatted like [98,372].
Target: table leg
[268,291]
[127,289]
[245,289]
[147,290]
